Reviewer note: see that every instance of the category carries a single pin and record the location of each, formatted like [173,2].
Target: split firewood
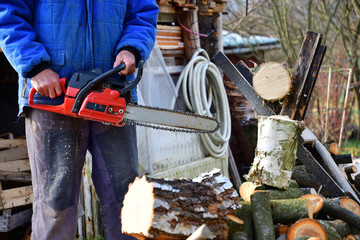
[239,236]
[357,181]
[275,152]
[283,210]
[244,213]
[248,188]
[306,227]
[352,237]
[174,209]
[281,229]
[315,204]
[333,148]
[234,224]
[349,170]
[335,209]
[261,212]
[307,180]
[349,204]
[342,158]
[337,229]
[272,81]
[291,210]
[307,238]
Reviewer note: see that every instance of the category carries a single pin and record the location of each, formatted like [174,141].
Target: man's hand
[47,83]
[129,59]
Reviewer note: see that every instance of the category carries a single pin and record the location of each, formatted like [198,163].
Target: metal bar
[245,88]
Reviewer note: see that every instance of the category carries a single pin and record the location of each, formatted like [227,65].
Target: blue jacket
[72,35]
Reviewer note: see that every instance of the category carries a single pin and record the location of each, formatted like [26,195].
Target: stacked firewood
[16,192]
[295,213]
[205,7]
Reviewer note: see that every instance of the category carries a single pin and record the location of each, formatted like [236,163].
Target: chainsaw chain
[172,129]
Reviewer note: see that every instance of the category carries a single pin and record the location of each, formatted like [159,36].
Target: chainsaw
[96,96]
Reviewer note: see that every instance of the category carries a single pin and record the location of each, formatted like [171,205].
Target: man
[45,40]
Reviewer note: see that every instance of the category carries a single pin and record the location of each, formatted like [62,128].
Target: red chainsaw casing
[104,106]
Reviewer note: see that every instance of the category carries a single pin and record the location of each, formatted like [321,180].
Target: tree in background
[288,20]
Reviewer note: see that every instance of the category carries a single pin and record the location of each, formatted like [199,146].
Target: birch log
[174,209]
[272,81]
[276,151]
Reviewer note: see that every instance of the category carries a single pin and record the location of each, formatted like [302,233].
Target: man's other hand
[47,83]
[129,59]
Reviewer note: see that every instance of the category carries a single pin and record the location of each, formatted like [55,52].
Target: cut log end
[247,189]
[306,227]
[315,203]
[272,81]
[139,202]
[350,204]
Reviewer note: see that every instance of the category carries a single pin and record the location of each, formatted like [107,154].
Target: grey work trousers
[57,145]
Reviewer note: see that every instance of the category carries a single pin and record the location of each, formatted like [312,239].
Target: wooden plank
[302,68]
[170,28]
[11,143]
[15,176]
[13,154]
[16,197]
[169,33]
[310,83]
[15,166]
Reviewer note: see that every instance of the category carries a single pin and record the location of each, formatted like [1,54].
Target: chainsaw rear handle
[93,83]
[62,82]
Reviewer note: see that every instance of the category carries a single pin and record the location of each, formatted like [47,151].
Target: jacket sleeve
[140,26]
[18,37]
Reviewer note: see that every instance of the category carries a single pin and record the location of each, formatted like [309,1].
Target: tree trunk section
[306,227]
[174,209]
[261,212]
[272,81]
[276,151]
[333,208]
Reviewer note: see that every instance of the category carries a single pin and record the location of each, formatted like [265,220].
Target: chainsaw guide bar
[168,119]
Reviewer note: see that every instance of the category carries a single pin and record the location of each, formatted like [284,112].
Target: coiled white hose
[204,91]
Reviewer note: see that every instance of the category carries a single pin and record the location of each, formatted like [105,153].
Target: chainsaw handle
[133,83]
[93,83]
[62,82]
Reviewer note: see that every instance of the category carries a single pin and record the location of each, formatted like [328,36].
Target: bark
[261,212]
[275,152]
[306,227]
[243,212]
[307,180]
[174,209]
[335,210]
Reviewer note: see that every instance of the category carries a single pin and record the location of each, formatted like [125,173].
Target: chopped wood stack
[15,183]
[174,209]
[204,7]
[294,216]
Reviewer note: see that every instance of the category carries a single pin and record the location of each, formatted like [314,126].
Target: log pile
[174,209]
[205,7]
[296,216]
[16,192]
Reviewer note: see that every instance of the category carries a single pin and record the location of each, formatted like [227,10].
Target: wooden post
[191,40]
[327,105]
[344,110]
